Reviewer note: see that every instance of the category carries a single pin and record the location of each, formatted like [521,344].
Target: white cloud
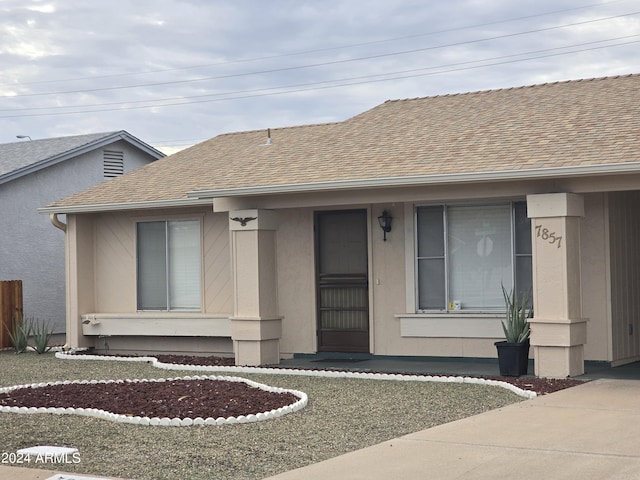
[46,8]
[250,51]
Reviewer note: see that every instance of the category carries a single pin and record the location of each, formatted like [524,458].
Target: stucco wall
[391,277]
[102,286]
[31,249]
[115,259]
[392,284]
[296,280]
[399,330]
[595,280]
[387,280]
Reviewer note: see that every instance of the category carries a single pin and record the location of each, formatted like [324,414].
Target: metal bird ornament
[243,221]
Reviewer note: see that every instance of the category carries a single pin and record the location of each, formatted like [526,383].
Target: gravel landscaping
[343,414]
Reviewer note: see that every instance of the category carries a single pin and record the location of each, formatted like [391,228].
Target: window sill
[159,324]
[451,325]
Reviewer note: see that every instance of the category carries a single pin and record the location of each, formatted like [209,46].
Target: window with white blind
[168,261]
[465,253]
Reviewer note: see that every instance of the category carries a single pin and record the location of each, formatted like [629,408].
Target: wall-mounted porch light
[385,223]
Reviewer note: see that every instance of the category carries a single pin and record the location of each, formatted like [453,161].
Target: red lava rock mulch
[541,386]
[171,399]
[195,360]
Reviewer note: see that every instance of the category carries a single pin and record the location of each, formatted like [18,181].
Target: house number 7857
[548,236]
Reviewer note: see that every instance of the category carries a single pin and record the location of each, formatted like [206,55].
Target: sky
[177,72]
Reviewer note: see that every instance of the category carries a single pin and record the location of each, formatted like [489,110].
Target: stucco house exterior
[264,244]
[36,172]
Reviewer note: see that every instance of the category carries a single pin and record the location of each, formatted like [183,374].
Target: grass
[342,415]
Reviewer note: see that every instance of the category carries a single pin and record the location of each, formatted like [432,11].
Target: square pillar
[558,331]
[255,324]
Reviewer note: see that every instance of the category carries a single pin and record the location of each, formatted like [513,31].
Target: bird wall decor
[243,220]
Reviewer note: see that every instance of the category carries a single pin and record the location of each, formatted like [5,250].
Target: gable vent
[113,163]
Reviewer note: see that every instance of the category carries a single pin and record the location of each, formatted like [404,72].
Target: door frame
[317,213]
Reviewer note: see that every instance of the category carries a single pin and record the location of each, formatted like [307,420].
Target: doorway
[342,281]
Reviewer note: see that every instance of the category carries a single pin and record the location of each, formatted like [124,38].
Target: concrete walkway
[588,432]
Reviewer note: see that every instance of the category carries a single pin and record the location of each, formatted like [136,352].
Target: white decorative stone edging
[317,373]
[156,421]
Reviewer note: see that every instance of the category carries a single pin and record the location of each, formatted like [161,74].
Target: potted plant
[513,352]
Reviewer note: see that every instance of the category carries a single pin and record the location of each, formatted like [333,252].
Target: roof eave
[473,177]
[123,206]
[205,197]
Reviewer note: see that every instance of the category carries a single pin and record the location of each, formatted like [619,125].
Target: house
[264,244]
[36,172]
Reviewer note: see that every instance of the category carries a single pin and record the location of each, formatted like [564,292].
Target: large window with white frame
[465,253]
[168,265]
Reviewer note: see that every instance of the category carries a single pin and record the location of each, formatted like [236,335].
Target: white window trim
[414,233]
[409,258]
[438,324]
[167,218]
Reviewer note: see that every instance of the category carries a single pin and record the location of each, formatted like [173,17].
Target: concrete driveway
[587,432]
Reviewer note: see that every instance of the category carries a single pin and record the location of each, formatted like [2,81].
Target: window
[466,252]
[169,265]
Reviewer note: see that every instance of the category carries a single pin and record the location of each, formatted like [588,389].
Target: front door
[342,281]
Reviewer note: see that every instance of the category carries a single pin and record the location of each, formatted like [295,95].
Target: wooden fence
[10,308]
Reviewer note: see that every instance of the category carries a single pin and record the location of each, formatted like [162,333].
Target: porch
[454,366]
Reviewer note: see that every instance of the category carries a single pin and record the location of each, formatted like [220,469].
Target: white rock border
[163,422]
[317,373]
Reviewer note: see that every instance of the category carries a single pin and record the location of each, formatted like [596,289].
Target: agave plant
[19,334]
[41,334]
[515,324]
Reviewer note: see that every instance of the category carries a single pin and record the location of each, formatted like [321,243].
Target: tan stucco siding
[115,264]
[115,260]
[596,302]
[296,280]
[81,285]
[387,280]
[218,291]
[102,262]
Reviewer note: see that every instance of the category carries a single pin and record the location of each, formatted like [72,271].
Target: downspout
[55,221]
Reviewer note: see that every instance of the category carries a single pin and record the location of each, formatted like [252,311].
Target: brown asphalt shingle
[575,123]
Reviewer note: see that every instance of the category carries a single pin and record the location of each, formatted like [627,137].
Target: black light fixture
[385,223]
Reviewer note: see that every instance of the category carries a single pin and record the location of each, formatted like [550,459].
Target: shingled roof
[20,158]
[507,133]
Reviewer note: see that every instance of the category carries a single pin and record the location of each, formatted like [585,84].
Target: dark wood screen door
[342,281]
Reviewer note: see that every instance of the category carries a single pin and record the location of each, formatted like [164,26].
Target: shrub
[19,333]
[41,334]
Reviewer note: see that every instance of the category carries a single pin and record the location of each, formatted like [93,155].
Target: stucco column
[558,331]
[255,326]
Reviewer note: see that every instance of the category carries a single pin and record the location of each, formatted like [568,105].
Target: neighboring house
[36,172]
[266,245]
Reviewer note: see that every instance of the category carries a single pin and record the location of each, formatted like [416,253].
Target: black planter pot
[513,358]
